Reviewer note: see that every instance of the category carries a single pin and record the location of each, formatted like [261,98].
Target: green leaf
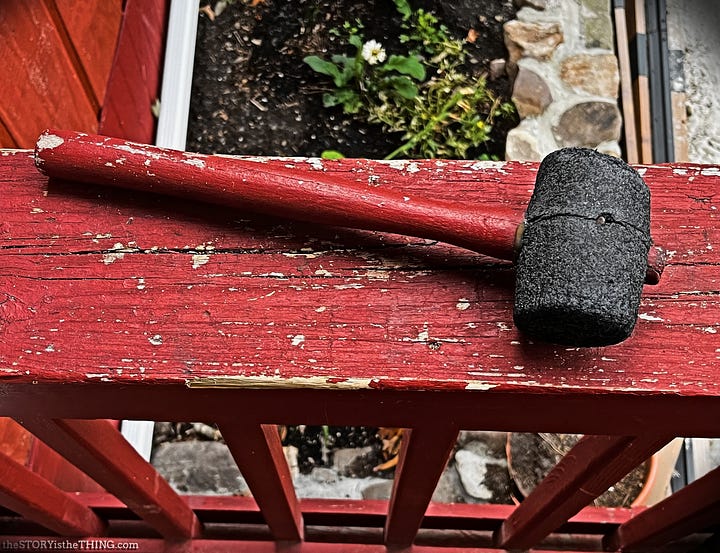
[330,100]
[407,66]
[322,66]
[356,41]
[331,154]
[403,8]
[404,87]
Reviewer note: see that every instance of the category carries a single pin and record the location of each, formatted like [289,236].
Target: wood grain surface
[109,286]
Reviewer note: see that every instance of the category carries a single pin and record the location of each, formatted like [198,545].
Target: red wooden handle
[266,186]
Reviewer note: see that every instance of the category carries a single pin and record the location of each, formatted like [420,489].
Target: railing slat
[691,509]
[257,450]
[586,471]
[97,448]
[35,498]
[424,454]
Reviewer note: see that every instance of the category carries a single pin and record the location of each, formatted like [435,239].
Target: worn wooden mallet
[583,250]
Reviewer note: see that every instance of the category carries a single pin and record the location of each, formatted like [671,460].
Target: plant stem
[451,103]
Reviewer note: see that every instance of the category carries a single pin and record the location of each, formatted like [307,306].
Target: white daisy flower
[373,52]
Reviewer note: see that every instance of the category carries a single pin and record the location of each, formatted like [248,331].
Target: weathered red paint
[590,468]
[39,77]
[257,450]
[131,305]
[423,457]
[36,499]
[134,82]
[99,449]
[274,189]
[92,32]
[694,508]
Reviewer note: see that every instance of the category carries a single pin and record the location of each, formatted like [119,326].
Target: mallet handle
[260,186]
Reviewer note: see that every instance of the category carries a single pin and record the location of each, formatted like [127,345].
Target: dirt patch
[252,93]
[533,456]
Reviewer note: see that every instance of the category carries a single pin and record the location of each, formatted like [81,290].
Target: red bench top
[111,286]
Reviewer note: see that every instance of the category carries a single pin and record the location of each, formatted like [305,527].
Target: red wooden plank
[33,497]
[423,456]
[134,82]
[694,508]
[353,296]
[93,32]
[257,450]
[39,82]
[97,448]
[593,465]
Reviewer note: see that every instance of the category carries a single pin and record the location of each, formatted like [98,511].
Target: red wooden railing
[123,305]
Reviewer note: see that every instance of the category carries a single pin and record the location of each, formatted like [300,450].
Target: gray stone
[494,442]
[588,124]
[597,27]
[449,489]
[497,68]
[344,457]
[199,467]
[531,94]
[378,490]
[532,39]
[595,74]
[483,471]
[522,146]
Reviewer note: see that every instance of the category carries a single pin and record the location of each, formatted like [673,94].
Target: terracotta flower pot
[521,491]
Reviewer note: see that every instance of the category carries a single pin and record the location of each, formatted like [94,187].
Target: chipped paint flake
[297,339]
[479,385]
[648,317]
[462,304]
[316,163]
[156,340]
[195,162]
[276,381]
[49,141]
[112,257]
[199,259]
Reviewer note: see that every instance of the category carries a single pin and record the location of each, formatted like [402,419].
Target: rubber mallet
[581,250]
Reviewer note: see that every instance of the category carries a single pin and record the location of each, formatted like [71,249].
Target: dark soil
[532,456]
[252,93]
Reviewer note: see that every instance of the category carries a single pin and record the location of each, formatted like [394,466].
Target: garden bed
[253,94]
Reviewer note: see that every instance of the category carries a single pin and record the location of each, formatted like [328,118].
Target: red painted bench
[124,305]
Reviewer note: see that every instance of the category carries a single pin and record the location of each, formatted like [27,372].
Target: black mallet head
[584,250]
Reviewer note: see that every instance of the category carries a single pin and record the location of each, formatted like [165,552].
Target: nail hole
[604,218]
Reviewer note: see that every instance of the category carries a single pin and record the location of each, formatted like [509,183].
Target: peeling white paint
[276,381]
[112,257]
[297,339]
[199,259]
[48,142]
[321,309]
[316,163]
[156,340]
[711,172]
[462,304]
[479,385]
[648,317]
[131,149]
[195,162]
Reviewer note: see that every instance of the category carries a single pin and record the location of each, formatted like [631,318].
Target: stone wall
[566,78]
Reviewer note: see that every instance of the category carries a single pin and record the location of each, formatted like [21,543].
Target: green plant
[424,93]
[361,79]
